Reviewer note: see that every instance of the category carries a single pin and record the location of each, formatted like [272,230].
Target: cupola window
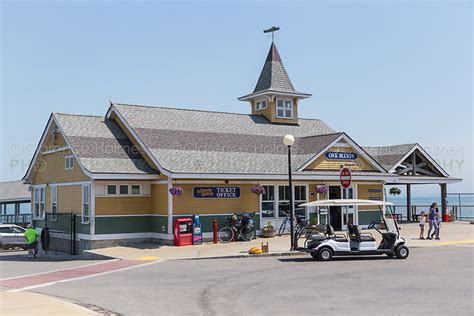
[284,108]
[260,105]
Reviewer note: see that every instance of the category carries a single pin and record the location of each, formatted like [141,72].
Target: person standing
[437,226]
[432,218]
[422,224]
[31,243]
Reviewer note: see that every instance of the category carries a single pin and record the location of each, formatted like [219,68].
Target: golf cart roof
[346,202]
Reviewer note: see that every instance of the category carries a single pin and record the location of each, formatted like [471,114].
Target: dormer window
[260,105]
[284,108]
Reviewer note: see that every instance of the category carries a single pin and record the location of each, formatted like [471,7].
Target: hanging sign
[340,155]
[216,192]
[345,176]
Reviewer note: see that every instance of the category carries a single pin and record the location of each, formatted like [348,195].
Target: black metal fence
[65,224]
[459,212]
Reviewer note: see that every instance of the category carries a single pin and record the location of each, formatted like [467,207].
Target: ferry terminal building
[116,172]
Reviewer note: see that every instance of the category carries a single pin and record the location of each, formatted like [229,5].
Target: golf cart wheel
[314,254]
[325,254]
[402,252]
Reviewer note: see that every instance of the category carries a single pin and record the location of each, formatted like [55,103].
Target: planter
[452,218]
[268,233]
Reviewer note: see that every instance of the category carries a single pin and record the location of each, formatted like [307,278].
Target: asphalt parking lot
[434,281]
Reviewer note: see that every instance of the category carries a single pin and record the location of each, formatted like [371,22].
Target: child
[422,224]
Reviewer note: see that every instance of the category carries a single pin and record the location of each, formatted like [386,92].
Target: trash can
[183,232]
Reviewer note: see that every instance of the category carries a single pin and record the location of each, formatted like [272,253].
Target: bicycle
[286,222]
[297,224]
[245,230]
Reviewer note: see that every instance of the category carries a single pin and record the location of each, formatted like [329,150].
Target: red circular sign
[345,176]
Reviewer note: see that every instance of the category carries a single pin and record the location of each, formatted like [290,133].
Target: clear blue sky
[385,73]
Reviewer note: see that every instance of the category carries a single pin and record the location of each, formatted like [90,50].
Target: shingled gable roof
[227,143]
[388,156]
[274,78]
[101,146]
[98,144]
[392,156]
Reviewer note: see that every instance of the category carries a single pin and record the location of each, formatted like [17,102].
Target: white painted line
[70,268]
[82,277]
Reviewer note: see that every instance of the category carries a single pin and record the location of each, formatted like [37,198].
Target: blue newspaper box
[197,230]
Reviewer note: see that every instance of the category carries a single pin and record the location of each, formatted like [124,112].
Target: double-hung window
[54,203]
[283,200]
[69,163]
[284,108]
[86,202]
[39,202]
[260,105]
[300,198]
[268,201]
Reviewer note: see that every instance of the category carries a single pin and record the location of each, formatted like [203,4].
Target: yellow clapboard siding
[51,169]
[321,163]
[159,196]
[187,204]
[69,199]
[364,194]
[123,205]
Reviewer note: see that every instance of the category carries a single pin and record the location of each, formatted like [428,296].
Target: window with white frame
[86,202]
[39,202]
[284,108]
[54,203]
[300,198]
[283,200]
[69,163]
[135,189]
[123,189]
[278,198]
[111,189]
[268,201]
[260,105]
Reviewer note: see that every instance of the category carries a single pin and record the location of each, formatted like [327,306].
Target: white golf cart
[322,243]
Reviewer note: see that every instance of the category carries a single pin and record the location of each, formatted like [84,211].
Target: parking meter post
[215,231]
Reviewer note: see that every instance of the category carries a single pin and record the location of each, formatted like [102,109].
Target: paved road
[15,263]
[281,285]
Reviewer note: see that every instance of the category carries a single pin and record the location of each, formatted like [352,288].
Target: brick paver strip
[27,281]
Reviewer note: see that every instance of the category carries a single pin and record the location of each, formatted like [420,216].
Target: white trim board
[125,236]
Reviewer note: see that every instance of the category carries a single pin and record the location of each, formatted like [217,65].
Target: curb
[247,255]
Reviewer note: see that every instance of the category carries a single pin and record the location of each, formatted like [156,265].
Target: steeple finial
[272,30]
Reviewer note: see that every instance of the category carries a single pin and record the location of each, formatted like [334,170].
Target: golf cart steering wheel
[371,225]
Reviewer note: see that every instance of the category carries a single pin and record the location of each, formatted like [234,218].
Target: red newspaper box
[183,232]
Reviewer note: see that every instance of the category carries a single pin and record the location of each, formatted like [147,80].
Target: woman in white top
[422,224]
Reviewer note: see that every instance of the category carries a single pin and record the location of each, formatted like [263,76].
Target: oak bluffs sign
[216,192]
[340,155]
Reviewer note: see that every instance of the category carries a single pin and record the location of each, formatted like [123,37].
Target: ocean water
[465,204]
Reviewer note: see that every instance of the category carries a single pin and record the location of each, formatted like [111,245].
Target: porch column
[444,204]
[408,202]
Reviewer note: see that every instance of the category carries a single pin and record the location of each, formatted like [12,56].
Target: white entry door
[348,213]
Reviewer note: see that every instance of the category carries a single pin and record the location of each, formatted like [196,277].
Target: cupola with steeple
[274,95]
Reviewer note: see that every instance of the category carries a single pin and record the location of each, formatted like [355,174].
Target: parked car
[12,236]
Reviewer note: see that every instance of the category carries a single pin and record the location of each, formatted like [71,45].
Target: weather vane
[272,30]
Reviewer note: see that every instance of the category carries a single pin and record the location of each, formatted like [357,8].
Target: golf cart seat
[355,235]
[331,234]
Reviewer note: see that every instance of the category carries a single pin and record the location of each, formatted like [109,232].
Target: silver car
[12,236]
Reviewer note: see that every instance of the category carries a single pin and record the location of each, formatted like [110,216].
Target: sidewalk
[451,234]
[28,303]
